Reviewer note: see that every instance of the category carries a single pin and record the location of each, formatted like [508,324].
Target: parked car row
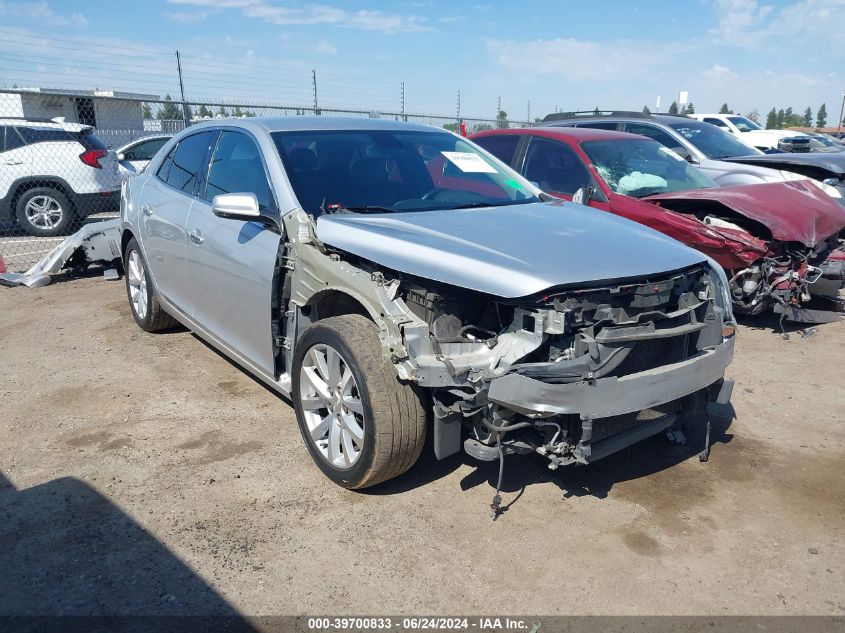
[773,239]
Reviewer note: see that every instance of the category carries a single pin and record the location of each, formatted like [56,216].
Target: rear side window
[145,150]
[600,125]
[45,135]
[713,121]
[502,146]
[187,162]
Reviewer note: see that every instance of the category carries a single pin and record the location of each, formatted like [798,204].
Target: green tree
[147,111]
[808,117]
[237,112]
[481,127]
[502,120]
[725,109]
[781,119]
[821,116]
[169,111]
[204,112]
[646,110]
[690,109]
[452,127]
[754,115]
[673,109]
[222,112]
[772,119]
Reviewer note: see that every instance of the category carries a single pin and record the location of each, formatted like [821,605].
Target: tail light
[92,157]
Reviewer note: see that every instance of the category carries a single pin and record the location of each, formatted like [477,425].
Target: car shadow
[67,550]
[643,459]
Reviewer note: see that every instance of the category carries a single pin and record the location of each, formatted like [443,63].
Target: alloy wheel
[44,212]
[332,406]
[137,277]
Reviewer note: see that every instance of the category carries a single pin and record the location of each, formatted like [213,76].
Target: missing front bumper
[612,396]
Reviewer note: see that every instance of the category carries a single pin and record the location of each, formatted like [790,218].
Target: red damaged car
[775,240]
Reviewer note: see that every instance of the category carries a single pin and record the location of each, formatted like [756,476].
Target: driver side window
[555,167]
[236,167]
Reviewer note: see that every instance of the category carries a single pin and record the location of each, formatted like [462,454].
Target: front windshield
[743,124]
[393,170]
[641,168]
[712,141]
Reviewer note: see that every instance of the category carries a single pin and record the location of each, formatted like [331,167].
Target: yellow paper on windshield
[470,163]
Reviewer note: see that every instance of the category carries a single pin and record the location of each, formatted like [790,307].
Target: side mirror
[584,195]
[684,153]
[236,206]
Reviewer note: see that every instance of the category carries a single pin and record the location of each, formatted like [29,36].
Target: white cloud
[185,17]
[310,14]
[581,60]
[41,12]
[802,24]
[717,72]
[326,48]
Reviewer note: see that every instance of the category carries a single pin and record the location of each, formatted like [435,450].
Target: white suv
[53,173]
[752,134]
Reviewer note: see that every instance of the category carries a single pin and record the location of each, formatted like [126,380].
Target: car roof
[577,134]
[317,123]
[621,116]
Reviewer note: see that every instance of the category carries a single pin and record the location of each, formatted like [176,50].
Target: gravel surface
[145,473]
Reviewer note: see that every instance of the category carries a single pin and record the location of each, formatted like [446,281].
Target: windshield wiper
[336,208]
[476,204]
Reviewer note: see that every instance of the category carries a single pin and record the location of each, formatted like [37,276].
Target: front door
[231,262]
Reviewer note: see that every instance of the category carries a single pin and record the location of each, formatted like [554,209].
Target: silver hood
[510,251]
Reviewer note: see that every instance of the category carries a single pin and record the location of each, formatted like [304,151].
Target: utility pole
[841,114]
[459,106]
[498,107]
[529,112]
[314,82]
[404,118]
[186,113]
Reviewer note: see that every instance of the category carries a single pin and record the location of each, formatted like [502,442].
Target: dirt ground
[145,473]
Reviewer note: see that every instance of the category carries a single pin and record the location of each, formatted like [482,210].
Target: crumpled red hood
[795,211]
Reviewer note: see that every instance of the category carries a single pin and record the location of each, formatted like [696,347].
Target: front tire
[361,424]
[44,212]
[143,298]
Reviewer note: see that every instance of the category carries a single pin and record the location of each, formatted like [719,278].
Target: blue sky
[571,55]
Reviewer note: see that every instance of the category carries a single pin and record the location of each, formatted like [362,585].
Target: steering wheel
[432,194]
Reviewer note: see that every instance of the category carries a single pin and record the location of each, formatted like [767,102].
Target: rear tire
[143,298]
[44,212]
[380,434]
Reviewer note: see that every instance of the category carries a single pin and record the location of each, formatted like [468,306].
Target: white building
[115,115]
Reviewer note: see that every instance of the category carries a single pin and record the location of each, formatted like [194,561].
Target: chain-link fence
[63,154]
[78,116]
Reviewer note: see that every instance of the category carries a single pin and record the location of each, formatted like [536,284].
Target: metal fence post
[186,112]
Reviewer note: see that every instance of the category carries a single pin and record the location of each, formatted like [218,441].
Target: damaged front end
[575,374]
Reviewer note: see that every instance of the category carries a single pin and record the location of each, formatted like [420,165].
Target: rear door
[166,199]
[231,262]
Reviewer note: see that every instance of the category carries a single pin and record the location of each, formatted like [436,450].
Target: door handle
[196,236]
[147,210]
[13,161]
